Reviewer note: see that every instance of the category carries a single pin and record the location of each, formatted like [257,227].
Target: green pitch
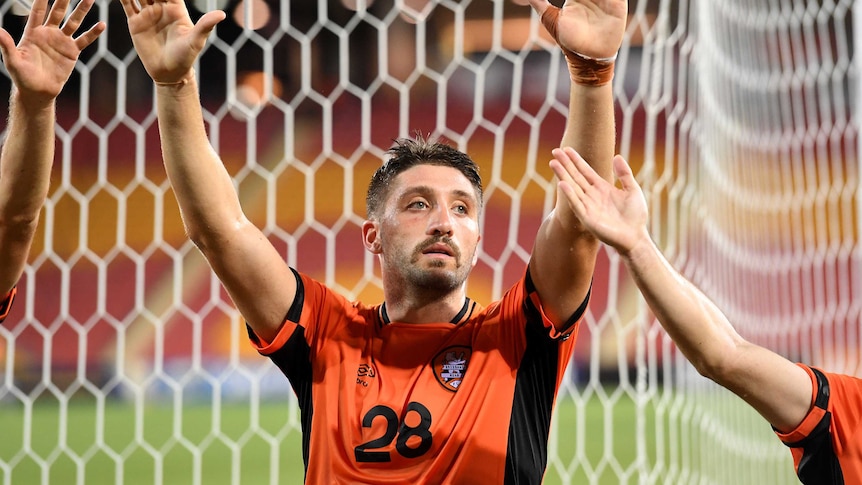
[85,442]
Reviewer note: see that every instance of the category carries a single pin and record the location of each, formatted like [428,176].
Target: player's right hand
[166,40]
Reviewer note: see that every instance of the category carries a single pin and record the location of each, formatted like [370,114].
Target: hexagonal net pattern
[124,361]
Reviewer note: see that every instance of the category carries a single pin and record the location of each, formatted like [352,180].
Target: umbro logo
[363,373]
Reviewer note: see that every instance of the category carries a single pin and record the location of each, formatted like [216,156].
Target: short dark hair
[410,152]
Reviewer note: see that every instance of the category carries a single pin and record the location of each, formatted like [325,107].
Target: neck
[436,309]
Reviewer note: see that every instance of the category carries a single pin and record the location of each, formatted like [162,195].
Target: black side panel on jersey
[294,361]
[530,423]
[532,404]
[818,464]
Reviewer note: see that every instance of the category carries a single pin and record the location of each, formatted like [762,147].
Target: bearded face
[428,234]
[436,263]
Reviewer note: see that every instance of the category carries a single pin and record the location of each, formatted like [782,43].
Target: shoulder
[323,301]
[844,386]
[311,289]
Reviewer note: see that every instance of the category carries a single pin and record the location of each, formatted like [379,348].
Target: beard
[434,276]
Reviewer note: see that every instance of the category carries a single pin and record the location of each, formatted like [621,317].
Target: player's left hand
[590,28]
[44,58]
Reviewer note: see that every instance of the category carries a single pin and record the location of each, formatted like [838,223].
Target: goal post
[123,360]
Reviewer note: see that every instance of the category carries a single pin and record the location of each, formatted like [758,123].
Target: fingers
[130,7]
[37,14]
[567,171]
[575,195]
[623,172]
[58,11]
[549,14]
[90,35]
[74,20]
[540,6]
[588,172]
[7,46]
[205,25]
[580,170]
[569,187]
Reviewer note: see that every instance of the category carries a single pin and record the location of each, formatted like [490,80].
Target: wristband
[588,71]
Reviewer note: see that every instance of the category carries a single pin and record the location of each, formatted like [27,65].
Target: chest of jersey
[397,394]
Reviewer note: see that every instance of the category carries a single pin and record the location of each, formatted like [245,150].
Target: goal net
[123,360]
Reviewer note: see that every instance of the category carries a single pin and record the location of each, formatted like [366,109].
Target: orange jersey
[827,445]
[6,303]
[455,402]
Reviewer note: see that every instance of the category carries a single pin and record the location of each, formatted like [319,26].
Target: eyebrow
[427,191]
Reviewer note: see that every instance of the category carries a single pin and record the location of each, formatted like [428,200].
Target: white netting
[124,362]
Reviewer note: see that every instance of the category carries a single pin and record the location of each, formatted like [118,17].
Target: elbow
[712,369]
[19,228]
[721,364]
[205,240]
[209,237]
[197,236]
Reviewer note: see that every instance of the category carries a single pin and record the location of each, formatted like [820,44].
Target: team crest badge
[450,366]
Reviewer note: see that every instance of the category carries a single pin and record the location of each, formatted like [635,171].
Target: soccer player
[815,413]
[39,66]
[428,386]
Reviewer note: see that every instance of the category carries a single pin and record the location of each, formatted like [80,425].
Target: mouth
[439,249]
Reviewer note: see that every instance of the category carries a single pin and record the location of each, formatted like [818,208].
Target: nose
[441,222]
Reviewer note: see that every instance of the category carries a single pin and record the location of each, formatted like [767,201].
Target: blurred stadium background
[123,361]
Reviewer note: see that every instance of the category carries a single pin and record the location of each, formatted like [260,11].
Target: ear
[371,237]
[476,253]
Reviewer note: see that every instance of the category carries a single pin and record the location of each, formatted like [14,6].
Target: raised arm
[39,66]
[777,388]
[251,270]
[590,34]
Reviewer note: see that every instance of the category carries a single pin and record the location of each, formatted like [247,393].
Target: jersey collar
[465,312]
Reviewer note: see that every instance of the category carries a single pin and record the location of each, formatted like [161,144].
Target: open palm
[617,216]
[44,58]
[590,28]
[165,38]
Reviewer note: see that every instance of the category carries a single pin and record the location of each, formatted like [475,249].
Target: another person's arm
[251,270]
[564,255]
[39,66]
[777,388]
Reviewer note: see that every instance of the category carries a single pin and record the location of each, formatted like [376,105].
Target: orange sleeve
[6,304]
[815,415]
[314,308]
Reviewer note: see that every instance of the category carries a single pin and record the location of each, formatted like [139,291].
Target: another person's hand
[617,216]
[44,58]
[166,40]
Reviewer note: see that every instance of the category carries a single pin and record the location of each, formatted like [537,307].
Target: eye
[417,204]
[461,209]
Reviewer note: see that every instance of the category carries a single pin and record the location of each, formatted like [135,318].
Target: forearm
[250,269]
[207,198]
[699,329]
[590,126]
[778,389]
[564,256]
[591,131]
[25,163]
[25,169]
